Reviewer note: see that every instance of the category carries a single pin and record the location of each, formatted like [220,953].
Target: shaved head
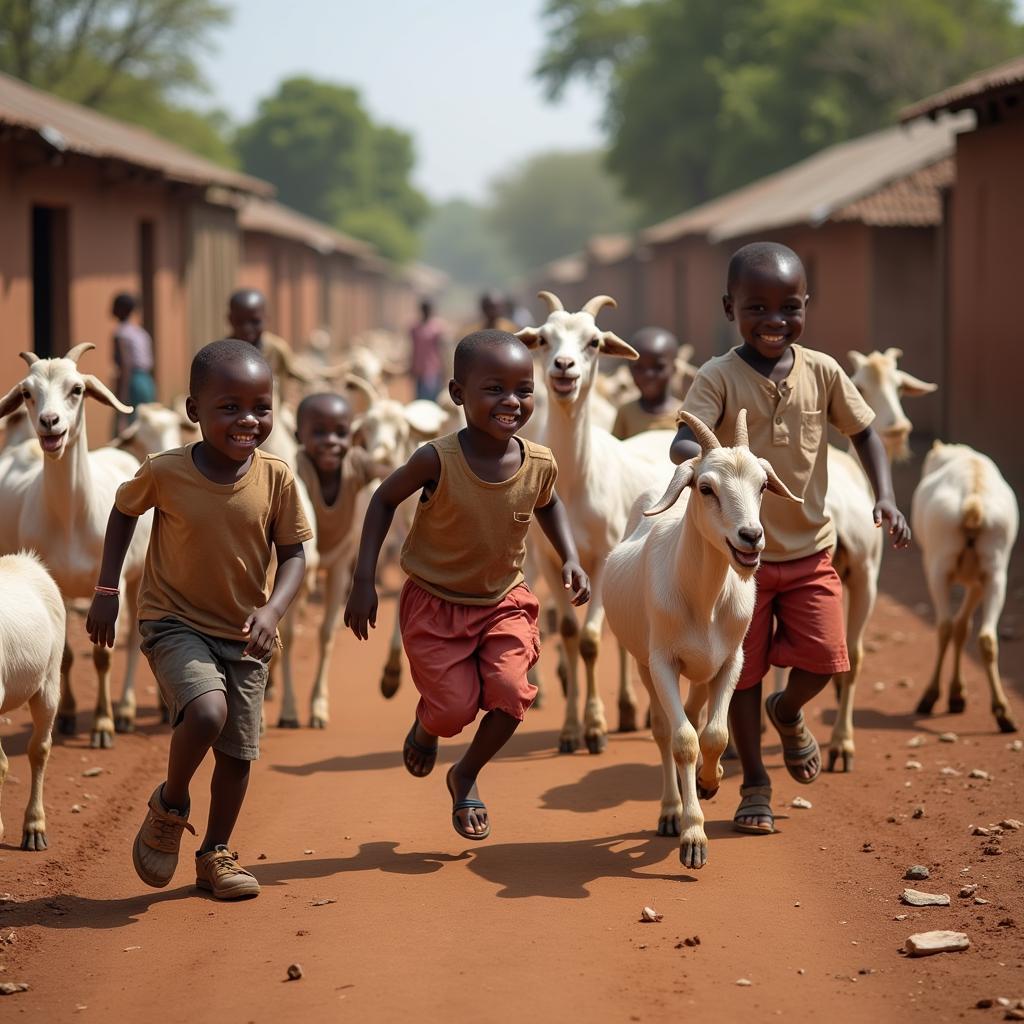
[474,345]
[770,258]
[210,358]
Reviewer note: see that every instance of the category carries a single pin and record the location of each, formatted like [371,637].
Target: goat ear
[776,486]
[529,336]
[425,418]
[681,479]
[896,354]
[613,345]
[912,387]
[11,401]
[361,394]
[857,359]
[95,388]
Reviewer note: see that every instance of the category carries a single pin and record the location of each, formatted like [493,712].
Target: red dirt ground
[542,920]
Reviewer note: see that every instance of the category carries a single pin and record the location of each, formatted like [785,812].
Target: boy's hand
[261,629]
[361,610]
[102,619]
[886,510]
[576,580]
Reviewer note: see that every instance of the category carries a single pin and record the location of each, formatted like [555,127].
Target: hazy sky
[457,74]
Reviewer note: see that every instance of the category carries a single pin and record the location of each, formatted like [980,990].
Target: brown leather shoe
[155,851]
[219,872]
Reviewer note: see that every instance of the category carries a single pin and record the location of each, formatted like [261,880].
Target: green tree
[318,144]
[132,59]
[551,204]
[458,239]
[704,96]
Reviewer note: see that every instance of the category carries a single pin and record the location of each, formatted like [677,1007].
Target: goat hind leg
[103,716]
[961,627]
[124,713]
[33,833]
[66,712]
[988,642]
[670,815]
[629,709]
[595,726]
[334,597]
[938,587]
[281,671]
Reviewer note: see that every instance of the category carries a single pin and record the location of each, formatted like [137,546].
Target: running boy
[208,625]
[791,394]
[468,620]
[655,409]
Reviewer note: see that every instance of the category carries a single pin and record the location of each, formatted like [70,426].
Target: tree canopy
[458,239]
[318,144]
[704,96]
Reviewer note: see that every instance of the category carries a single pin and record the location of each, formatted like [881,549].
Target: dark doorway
[50,299]
[147,276]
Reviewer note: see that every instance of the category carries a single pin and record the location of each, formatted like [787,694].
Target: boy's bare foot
[469,813]
[419,752]
[800,751]
[754,814]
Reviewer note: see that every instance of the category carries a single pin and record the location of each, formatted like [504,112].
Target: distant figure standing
[428,338]
[133,354]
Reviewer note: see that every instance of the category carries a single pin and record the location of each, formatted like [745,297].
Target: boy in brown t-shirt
[792,394]
[222,508]
[469,622]
[655,409]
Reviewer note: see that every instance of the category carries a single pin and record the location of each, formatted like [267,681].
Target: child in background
[468,620]
[133,354]
[207,621]
[792,395]
[655,409]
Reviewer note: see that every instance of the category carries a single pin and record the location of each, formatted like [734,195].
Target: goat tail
[972,514]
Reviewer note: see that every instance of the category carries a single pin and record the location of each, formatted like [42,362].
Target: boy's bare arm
[555,524]
[871,453]
[421,470]
[102,616]
[261,626]
[684,445]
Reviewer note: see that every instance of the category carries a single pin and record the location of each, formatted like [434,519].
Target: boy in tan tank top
[469,622]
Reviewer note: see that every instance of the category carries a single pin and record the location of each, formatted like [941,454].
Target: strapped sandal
[755,802]
[798,743]
[429,754]
[465,805]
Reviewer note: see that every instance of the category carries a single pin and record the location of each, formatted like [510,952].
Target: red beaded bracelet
[107,591]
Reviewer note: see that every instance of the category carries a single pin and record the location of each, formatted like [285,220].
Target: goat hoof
[316,722]
[1005,722]
[33,840]
[627,717]
[847,759]
[66,724]
[669,825]
[101,740]
[568,745]
[287,723]
[597,743]
[693,854]
[124,724]
[706,794]
[389,682]
[956,705]
[925,704]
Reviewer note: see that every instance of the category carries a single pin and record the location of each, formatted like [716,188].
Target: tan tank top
[468,539]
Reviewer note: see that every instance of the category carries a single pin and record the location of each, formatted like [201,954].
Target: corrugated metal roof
[968,92]
[273,218]
[68,126]
[914,201]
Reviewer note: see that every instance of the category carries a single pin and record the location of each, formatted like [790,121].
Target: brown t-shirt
[468,539]
[633,419]
[212,544]
[334,522]
[788,426]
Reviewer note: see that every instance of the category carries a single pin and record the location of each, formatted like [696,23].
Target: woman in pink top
[427,340]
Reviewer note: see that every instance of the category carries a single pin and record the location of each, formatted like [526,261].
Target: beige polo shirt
[211,546]
[788,425]
[632,419]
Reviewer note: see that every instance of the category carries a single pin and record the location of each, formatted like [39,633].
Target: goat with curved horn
[704,435]
[30,357]
[553,301]
[76,353]
[741,440]
[597,303]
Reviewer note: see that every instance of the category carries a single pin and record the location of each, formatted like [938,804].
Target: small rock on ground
[915,898]
[294,972]
[801,803]
[979,773]
[968,890]
[916,873]
[948,737]
[927,943]
[10,988]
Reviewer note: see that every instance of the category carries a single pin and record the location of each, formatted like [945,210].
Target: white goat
[965,518]
[155,429]
[32,627]
[62,510]
[679,591]
[599,479]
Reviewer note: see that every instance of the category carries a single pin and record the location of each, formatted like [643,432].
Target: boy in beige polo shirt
[208,623]
[792,394]
[468,620]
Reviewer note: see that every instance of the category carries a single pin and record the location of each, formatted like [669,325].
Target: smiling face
[652,371]
[246,315]
[768,302]
[234,407]
[497,390]
[325,431]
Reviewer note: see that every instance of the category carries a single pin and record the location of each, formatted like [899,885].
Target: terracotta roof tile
[967,93]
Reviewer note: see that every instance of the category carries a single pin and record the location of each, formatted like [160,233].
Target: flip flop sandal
[755,802]
[465,805]
[798,743]
[429,754]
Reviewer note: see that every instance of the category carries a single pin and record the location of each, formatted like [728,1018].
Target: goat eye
[764,487]
[26,396]
[706,489]
[595,342]
[78,389]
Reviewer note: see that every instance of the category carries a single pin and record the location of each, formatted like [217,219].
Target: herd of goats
[639,533]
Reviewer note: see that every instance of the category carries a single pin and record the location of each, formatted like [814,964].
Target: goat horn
[30,357]
[597,303]
[681,479]
[76,353]
[741,440]
[701,431]
[553,301]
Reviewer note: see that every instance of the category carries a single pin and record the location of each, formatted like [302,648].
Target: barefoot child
[792,395]
[207,622]
[469,622]
[656,407]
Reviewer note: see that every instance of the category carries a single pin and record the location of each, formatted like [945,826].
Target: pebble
[801,803]
[1012,824]
[91,773]
[980,830]
[979,902]
[949,771]
[915,898]
[991,850]
[948,737]
[1014,1014]
[918,812]
[1016,746]
[307,852]
[927,943]
[914,766]
[744,982]
[867,847]
[649,915]
[968,890]
[904,683]
[9,988]
[916,873]
[801,970]
[916,741]
[294,972]
[901,917]
[878,687]
[979,773]
[76,808]
[322,903]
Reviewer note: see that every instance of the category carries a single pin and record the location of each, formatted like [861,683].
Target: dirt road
[542,921]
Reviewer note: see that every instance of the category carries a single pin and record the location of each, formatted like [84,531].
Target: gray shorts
[188,664]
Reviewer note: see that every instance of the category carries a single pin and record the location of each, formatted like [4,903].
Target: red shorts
[467,657]
[798,620]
